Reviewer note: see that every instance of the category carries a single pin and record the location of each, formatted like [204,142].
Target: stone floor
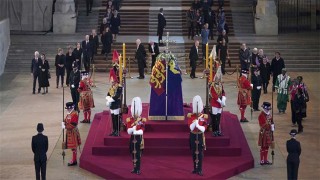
[20,111]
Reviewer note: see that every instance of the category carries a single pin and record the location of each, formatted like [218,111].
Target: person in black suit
[60,66]
[193,56]
[141,58]
[35,72]
[154,51]
[89,6]
[70,58]
[256,91]
[39,147]
[106,39]
[94,40]
[293,160]
[161,25]
[77,52]
[87,50]
[277,64]
[74,80]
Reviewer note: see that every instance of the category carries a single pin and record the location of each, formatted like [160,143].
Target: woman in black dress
[115,24]
[44,73]
[60,66]
[106,40]
[77,52]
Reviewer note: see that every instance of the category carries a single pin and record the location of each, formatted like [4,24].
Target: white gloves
[109,99]
[193,125]
[251,85]
[72,86]
[130,130]
[219,101]
[223,101]
[62,125]
[108,104]
[258,87]
[272,127]
[201,128]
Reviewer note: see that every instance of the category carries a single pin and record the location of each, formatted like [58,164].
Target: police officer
[74,81]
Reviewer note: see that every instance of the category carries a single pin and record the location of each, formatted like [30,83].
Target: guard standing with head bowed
[218,101]
[266,133]
[244,94]
[197,122]
[72,135]
[135,127]
[114,100]
[86,97]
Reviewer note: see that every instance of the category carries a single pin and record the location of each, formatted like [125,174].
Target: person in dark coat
[190,22]
[265,75]
[161,26]
[93,38]
[212,22]
[141,58]
[89,4]
[223,54]
[103,25]
[106,40]
[256,91]
[35,72]
[87,50]
[77,52]
[44,73]
[74,80]
[69,61]
[115,23]
[60,66]
[223,36]
[293,158]
[39,145]
[193,56]
[244,56]
[299,104]
[277,64]
[154,51]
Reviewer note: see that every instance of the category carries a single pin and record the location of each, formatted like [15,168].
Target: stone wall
[4,43]
[27,15]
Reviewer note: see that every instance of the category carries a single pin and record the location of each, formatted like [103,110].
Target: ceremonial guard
[265,133]
[72,135]
[282,85]
[135,127]
[197,123]
[86,97]
[114,100]
[218,101]
[256,90]
[244,94]
[74,81]
[293,159]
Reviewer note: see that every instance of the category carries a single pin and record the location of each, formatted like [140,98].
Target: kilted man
[86,101]
[282,85]
[135,127]
[197,123]
[293,159]
[114,100]
[244,94]
[265,133]
[72,135]
[218,101]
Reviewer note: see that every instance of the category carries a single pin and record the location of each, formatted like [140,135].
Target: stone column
[64,17]
[267,19]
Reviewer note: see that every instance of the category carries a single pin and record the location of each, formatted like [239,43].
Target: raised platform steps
[167,154]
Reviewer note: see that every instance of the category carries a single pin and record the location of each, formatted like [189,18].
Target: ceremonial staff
[197,142]
[63,140]
[134,140]
[251,103]
[207,73]
[125,107]
[272,152]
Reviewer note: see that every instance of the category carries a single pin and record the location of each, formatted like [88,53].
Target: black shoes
[199,172]
[140,77]
[135,171]
[73,163]
[244,120]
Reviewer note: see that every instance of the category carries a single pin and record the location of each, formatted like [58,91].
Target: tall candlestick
[211,68]
[124,54]
[120,69]
[207,55]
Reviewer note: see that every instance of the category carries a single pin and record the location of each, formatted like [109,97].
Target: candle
[120,69]
[211,68]
[207,54]
[124,54]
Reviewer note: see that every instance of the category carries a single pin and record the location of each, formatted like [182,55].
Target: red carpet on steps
[167,154]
